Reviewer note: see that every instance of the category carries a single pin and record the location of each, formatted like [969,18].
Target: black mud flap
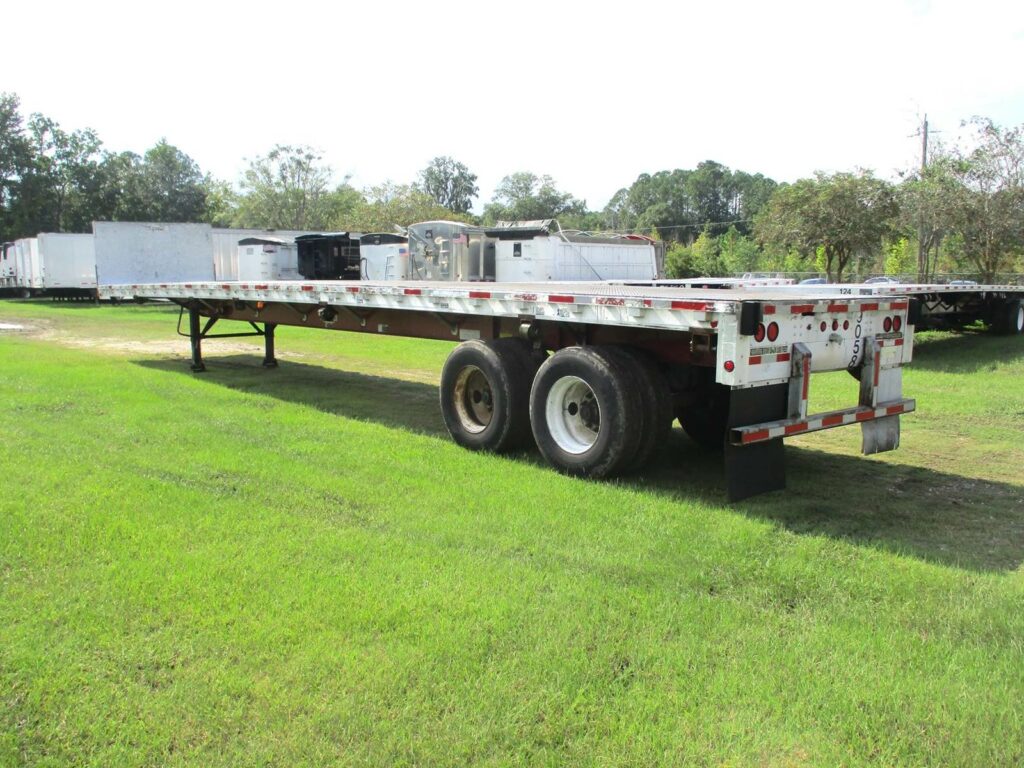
[761,467]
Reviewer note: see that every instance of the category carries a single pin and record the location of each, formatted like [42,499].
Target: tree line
[963,212]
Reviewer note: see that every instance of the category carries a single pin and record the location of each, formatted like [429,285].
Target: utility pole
[922,252]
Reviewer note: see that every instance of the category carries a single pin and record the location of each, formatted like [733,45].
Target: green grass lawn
[297,566]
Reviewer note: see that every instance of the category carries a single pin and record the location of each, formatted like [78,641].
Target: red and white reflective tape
[769,359]
[758,433]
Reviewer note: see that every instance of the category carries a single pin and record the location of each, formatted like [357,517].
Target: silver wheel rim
[573,415]
[474,401]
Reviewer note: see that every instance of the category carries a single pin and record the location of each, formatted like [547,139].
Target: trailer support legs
[269,361]
[196,339]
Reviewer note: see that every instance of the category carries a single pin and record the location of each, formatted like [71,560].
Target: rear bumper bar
[770,430]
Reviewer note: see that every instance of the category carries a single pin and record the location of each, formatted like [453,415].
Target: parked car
[881,279]
[813,281]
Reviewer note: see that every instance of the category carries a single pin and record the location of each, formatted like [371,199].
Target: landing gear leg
[269,361]
[196,338]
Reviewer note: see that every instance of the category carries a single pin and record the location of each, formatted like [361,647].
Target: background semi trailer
[594,373]
[952,305]
[68,264]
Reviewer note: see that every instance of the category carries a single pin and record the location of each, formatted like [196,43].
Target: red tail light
[887,324]
[759,333]
[773,331]
[897,323]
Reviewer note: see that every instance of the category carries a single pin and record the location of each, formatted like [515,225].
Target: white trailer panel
[555,258]
[7,259]
[226,263]
[28,266]
[131,252]
[68,261]
[262,259]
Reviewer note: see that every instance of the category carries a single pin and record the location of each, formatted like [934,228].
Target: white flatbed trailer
[938,305]
[594,373]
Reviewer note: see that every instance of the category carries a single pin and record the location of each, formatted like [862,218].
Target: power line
[701,225]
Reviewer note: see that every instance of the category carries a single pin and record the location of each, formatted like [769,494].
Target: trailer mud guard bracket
[879,385]
[759,467]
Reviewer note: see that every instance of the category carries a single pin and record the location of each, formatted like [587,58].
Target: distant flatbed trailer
[594,373]
[953,305]
[940,305]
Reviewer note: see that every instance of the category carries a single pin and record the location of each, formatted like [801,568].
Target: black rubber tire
[1011,318]
[618,400]
[508,370]
[706,420]
[656,408]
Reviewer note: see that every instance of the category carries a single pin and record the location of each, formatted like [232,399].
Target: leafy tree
[526,196]
[15,162]
[449,183]
[701,259]
[288,188]
[898,259]
[169,187]
[738,253]
[221,202]
[927,204]
[57,192]
[682,203]
[845,214]
[391,205]
[989,207]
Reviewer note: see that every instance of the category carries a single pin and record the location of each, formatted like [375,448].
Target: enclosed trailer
[226,254]
[526,251]
[28,268]
[451,251]
[385,256]
[542,256]
[134,252]
[267,258]
[69,264]
[329,255]
[7,255]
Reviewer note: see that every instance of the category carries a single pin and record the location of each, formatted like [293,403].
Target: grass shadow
[392,402]
[935,516]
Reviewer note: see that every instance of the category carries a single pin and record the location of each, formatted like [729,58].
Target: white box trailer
[594,373]
[267,258]
[567,257]
[68,264]
[28,268]
[226,256]
[8,252]
[526,251]
[134,252]
[385,256]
